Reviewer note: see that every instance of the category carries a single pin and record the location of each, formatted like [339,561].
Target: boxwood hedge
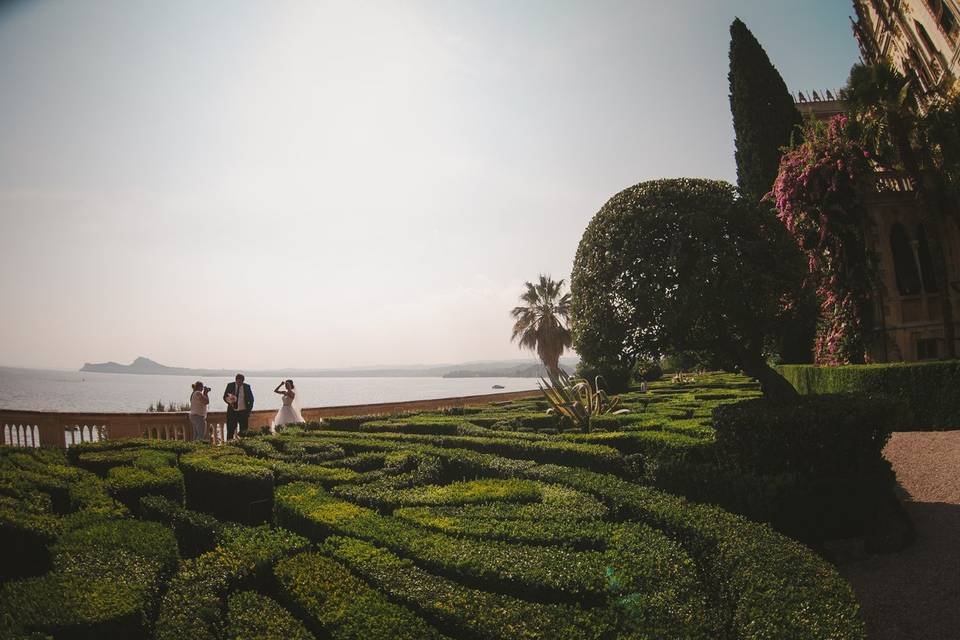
[229,487]
[463,612]
[196,532]
[928,388]
[194,604]
[460,530]
[105,584]
[340,606]
[254,616]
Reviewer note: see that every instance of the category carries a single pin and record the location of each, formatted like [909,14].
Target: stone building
[922,39]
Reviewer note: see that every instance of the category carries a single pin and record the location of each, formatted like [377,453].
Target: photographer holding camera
[199,400]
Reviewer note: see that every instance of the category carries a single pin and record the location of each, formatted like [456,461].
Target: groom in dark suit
[239,399]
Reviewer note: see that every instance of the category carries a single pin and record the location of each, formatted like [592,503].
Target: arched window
[904,264]
[926,263]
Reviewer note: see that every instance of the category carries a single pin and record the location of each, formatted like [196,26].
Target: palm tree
[542,322]
[882,100]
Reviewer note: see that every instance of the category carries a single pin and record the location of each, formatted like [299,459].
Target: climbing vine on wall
[818,196]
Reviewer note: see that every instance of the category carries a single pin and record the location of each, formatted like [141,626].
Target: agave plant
[576,400]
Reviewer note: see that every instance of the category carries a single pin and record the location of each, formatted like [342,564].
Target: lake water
[71,391]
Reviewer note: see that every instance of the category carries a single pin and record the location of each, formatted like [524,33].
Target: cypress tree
[764,115]
[764,120]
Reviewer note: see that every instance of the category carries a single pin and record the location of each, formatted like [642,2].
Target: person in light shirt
[239,399]
[199,400]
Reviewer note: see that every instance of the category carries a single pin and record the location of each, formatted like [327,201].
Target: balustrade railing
[891,182]
[52,429]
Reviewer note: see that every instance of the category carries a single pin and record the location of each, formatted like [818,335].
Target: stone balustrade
[52,429]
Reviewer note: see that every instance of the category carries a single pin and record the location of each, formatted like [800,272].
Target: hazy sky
[310,184]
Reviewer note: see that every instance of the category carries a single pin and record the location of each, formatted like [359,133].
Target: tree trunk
[551,360]
[772,383]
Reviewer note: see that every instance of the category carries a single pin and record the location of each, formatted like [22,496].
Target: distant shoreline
[92,392]
[494,369]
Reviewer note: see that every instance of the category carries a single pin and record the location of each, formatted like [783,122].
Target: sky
[281,183]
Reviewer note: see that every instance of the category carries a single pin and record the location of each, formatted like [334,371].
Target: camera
[206,389]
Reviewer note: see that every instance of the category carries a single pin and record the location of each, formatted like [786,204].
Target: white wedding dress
[288,414]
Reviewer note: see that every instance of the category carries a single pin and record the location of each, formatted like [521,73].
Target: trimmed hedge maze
[485,523]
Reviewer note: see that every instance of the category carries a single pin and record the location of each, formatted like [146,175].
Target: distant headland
[481,369]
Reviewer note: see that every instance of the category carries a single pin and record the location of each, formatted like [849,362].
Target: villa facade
[921,38]
[908,319]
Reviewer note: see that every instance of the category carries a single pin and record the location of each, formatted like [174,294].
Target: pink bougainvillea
[818,198]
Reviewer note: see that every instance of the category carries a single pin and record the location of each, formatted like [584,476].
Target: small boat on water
[498,386]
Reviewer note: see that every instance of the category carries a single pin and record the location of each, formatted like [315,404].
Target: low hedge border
[338,605]
[101,462]
[105,582]
[424,425]
[254,616]
[194,604]
[178,447]
[228,486]
[516,420]
[562,516]
[462,612]
[772,586]
[654,446]
[196,532]
[129,484]
[930,389]
[25,535]
[590,456]
[545,574]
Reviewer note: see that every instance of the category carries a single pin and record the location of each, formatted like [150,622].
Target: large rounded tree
[682,265]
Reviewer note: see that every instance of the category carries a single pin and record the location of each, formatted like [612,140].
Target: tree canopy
[681,265]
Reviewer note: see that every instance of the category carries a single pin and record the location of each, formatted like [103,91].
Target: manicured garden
[482,522]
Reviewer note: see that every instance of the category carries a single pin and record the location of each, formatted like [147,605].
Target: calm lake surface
[46,390]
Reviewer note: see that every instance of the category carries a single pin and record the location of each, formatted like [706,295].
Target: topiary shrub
[817,435]
[819,464]
[682,265]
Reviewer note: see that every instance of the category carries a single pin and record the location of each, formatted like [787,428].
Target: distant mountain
[140,365]
[535,370]
[479,369]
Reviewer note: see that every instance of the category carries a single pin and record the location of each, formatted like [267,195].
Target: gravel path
[915,594]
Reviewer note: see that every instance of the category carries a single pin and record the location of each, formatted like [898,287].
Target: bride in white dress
[290,411]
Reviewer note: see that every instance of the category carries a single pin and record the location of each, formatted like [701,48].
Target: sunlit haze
[330,184]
